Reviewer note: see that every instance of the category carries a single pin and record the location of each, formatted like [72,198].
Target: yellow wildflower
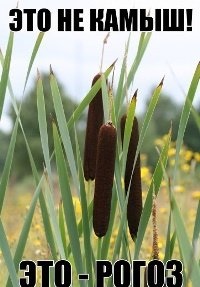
[196,194]
[179,188]
[185,167]
[197,156]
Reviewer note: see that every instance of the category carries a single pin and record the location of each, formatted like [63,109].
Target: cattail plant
[104,178]
[132,178]
[94,122]
[155,248]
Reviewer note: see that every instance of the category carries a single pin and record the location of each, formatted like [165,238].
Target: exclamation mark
[189,19]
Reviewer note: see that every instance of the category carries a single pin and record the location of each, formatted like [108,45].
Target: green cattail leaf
[67,202]
[85,219]
[122,89]
[143,42]
[188,256]
[154,188]
[4,246]
[53,218]
[196,226]
[25,231]
[185,114]
[128,130]
[62,227]
[119,238]
[47,226]
[62,124]
[196,117]
[149,113]
[168,241]
[119,93]
[33,55]
[7,166]
[105,98]
[5,72]
[43,126]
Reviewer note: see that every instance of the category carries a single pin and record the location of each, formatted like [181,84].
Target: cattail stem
[99,248]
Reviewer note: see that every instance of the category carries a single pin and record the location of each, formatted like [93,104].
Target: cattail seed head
[104,178]
[134,207]
[94,122]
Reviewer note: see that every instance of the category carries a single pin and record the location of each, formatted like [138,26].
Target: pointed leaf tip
[161,83]
[113,64]
[135,95]
[38,74]
[51,70]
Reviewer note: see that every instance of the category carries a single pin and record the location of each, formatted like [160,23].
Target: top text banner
[101,20]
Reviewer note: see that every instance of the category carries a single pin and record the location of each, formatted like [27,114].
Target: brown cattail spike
[133,178]
[94,122]
[104,178]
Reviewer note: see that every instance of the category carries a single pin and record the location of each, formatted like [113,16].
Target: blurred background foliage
[167,113]
[29,118]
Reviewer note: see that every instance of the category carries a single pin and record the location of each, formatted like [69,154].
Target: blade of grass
[196,226]
[25,231]
[62,228]
[119,92]
[149,113]
[5,72]
[33,55]
[105,98]
[189,260]
[67,202]
[85,219]
[47,226]
[43,128]
[8,164]
[185,116]
[62,124]
[154,187]
[168,242]
[53,218]
[151,107]
[196,117]
[143,43]
[4,246]
[118,242]
[128,131]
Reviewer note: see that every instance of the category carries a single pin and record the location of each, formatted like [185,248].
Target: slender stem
[102,53]
[99,249]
